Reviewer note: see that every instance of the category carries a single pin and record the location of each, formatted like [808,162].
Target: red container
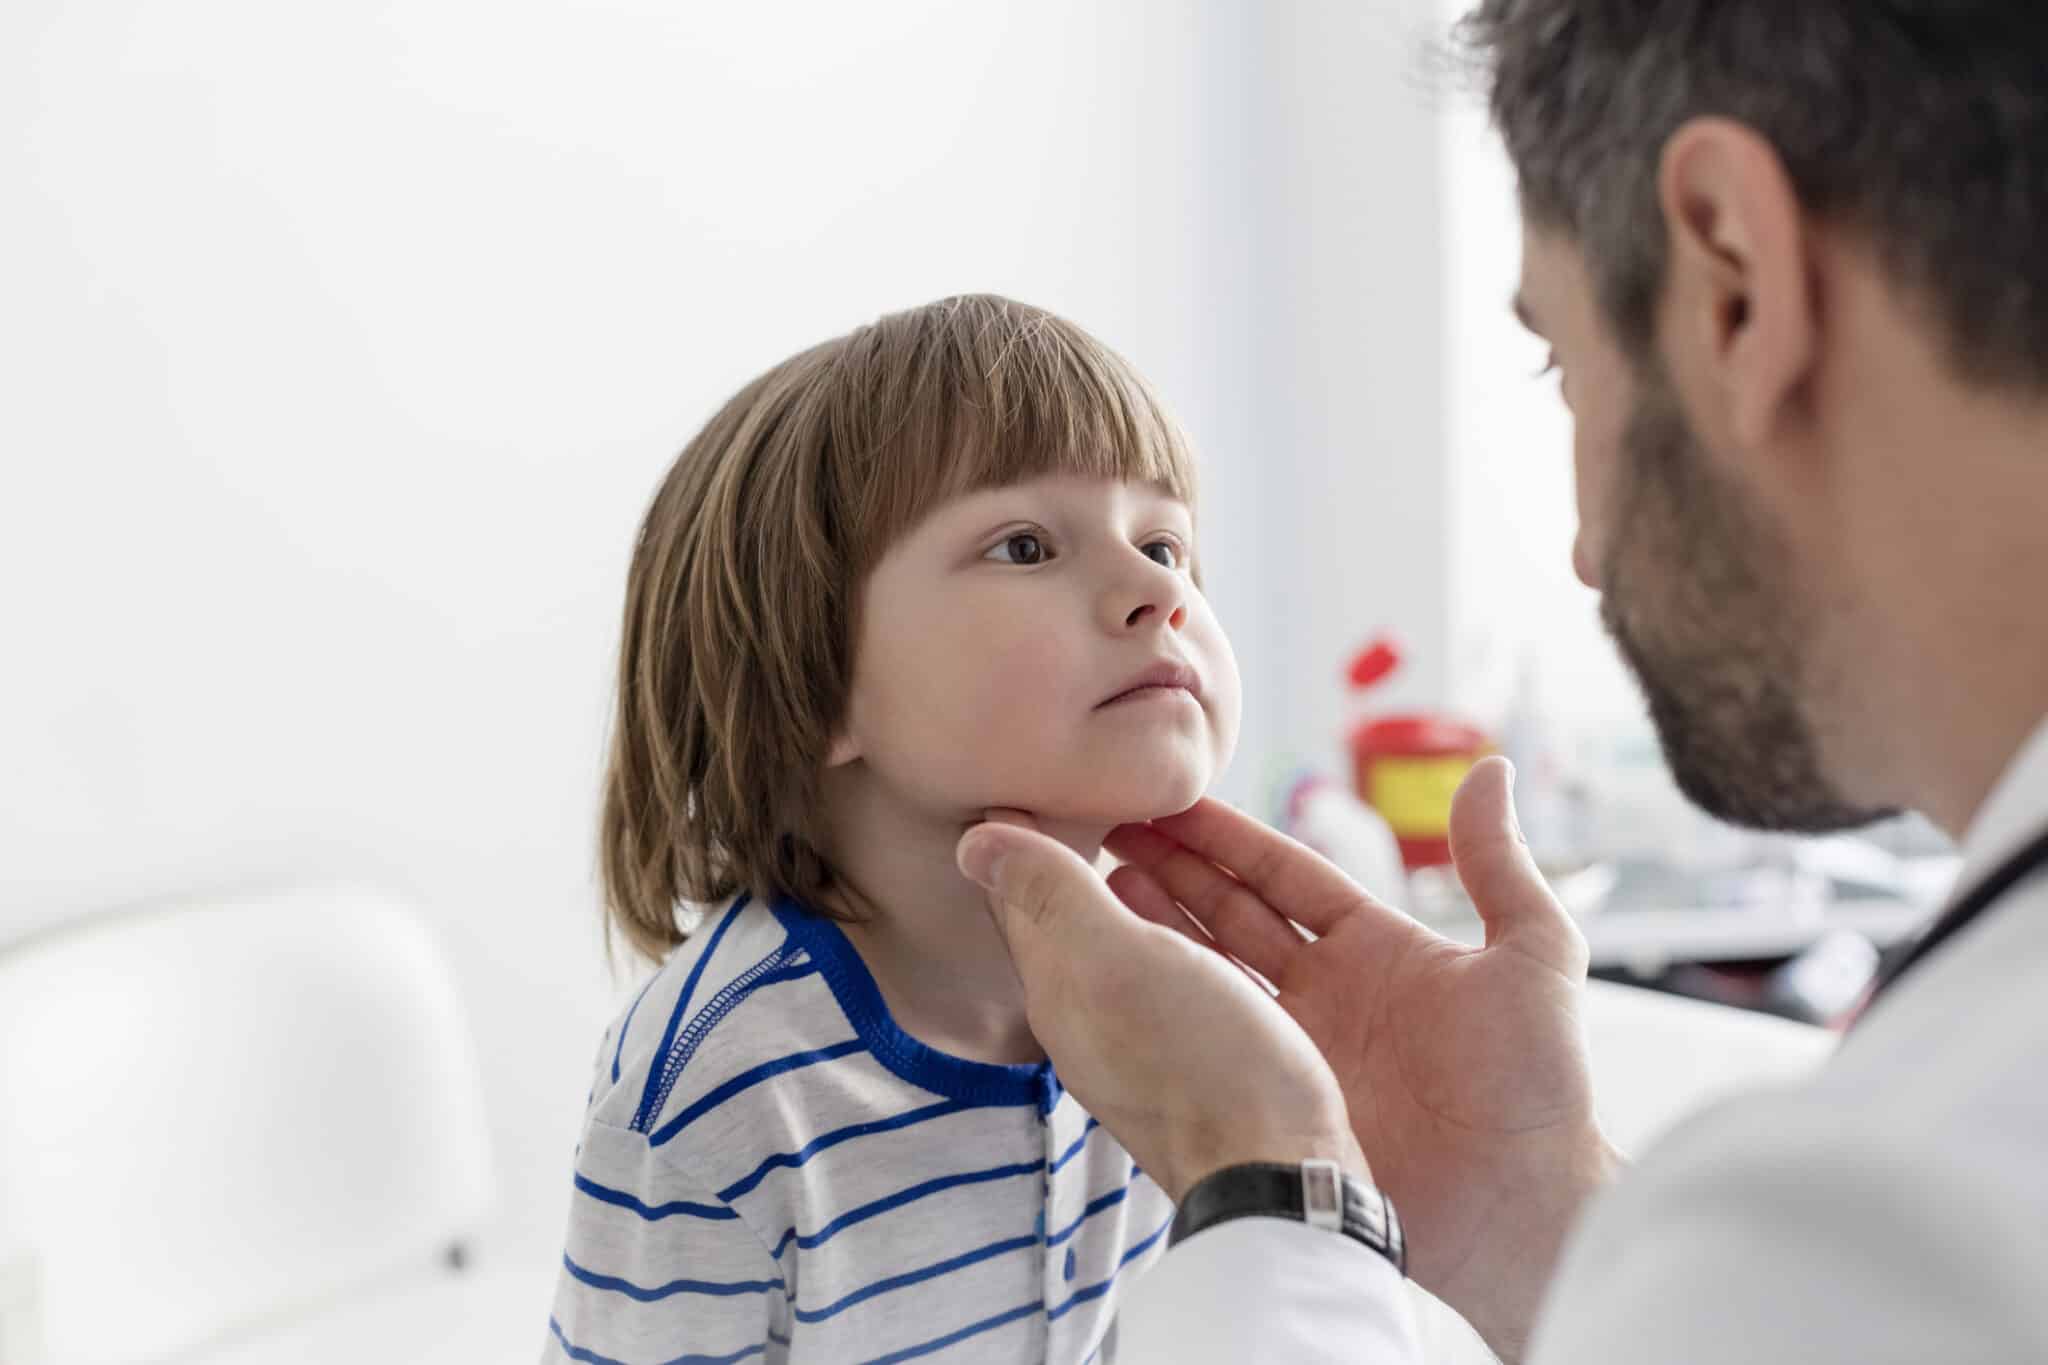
[1407,766]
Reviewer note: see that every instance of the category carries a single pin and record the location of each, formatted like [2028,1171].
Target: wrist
[1500,1291]
[1203,1155]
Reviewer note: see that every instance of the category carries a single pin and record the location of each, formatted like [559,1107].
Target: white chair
[219,1114]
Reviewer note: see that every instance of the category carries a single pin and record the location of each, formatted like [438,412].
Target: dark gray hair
[1921,124]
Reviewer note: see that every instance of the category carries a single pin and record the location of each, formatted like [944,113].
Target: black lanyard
[1980,898]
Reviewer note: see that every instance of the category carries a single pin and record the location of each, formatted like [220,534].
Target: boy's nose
[1156,598]
[1175,618]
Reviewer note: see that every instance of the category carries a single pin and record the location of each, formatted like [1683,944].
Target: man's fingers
[1077,946]
[1241,924]
[1501,877]
[1280,871]
[1135,887]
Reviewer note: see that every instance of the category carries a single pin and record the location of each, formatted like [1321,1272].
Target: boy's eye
[1022,548]
[1164,552]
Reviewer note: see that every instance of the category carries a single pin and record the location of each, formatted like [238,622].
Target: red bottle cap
[1374,662]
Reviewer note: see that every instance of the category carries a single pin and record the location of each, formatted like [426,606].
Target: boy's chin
[1122,799]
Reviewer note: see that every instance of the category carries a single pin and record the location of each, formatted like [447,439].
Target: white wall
[345,344]
[1357,490]
[1512,598]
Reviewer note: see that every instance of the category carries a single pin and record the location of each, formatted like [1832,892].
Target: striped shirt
[771,1169]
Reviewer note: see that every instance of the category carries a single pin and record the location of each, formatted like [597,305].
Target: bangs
[982,392]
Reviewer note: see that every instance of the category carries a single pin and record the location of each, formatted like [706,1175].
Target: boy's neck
[927,938]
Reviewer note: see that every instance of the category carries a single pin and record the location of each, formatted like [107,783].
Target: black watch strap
[1316,1192]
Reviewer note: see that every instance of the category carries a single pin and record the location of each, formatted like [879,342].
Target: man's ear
[844,750]
[1739,288]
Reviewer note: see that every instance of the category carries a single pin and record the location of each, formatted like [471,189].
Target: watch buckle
[1322,1194]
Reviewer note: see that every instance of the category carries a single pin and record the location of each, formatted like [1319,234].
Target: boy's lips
[1165,676]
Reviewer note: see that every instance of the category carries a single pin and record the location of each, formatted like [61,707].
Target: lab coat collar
[2014,812]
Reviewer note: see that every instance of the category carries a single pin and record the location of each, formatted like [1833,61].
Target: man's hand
[1180,1055]
[1463,1068]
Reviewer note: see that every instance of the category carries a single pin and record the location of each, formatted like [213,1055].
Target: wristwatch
[1315,1192]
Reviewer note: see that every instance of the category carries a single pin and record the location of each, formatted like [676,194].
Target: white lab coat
[1894,1208]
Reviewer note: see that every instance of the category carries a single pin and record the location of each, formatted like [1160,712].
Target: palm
[1463,1068]
[1453,1060]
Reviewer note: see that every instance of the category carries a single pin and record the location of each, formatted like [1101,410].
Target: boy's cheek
[1219,665]
[1022,663]
[1226,711]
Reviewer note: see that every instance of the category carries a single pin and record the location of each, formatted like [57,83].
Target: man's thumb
[1031,880]
[1501,876]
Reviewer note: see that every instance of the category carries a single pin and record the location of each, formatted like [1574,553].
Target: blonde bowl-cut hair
[742,599]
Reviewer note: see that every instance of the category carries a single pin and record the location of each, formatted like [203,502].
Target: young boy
[940,565]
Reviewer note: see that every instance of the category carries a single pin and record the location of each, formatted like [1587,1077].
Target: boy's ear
[844,750]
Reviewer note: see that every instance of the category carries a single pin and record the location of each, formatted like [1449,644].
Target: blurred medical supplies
[1333,822]
[1553,804]
[1666,896]
[1770,898]
[1408,765]
[1827,982]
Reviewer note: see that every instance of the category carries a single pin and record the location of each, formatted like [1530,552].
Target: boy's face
[1043,646]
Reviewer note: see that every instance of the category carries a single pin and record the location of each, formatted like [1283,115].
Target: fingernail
[979,856]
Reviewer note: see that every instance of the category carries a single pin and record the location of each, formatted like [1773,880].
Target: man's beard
[1700,598]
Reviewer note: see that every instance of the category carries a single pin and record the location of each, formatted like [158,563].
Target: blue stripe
[749,1078]
[795,972]
[644,1114]
[713,1288]
[1097,1290]
[1095,1206]
[837,1136]
[647,986]
[898,1200]
[575,1352]
[769,970]
[653,1211]
[1074,1148]
[911,1277]
[972,1329]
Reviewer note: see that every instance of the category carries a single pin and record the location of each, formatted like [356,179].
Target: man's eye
[1165,552]
[1022,548]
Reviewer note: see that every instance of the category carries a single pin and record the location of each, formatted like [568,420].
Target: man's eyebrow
[1523,315]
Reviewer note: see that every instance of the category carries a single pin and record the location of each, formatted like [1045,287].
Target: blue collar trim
[853,986]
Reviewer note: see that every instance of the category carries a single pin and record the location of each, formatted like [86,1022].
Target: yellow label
[1414,795]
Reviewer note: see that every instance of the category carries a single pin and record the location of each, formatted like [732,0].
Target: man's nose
[1582,562]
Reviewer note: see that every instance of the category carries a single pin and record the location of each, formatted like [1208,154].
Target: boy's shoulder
[740,997]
